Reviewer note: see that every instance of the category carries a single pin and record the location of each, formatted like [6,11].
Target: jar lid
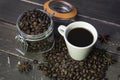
[60,9]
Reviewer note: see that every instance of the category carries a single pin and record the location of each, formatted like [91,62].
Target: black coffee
[80,37]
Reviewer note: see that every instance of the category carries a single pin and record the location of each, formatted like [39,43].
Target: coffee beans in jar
[35,29]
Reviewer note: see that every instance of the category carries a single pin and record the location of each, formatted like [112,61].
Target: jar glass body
[42,42]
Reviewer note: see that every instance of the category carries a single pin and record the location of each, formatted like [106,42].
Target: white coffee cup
[78,53]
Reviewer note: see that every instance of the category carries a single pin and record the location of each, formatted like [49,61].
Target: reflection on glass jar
[35,28]
[41,45]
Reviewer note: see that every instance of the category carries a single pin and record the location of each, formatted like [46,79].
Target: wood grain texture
[101,9]
[10,10]
[7,36]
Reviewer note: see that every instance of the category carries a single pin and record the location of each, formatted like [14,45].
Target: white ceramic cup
[78,53]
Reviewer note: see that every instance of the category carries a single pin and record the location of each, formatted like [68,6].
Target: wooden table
[103,14]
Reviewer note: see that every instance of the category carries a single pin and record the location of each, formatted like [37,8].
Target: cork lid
[60,9]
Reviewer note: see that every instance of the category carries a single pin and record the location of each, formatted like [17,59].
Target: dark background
[108,10]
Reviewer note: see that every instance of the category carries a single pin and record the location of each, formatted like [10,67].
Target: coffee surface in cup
[80,37]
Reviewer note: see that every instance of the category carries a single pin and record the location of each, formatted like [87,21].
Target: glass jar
[35,41]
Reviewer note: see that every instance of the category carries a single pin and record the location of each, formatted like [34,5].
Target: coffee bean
[88,77]
[54,75]
[35,24]
[32,29]
[21,24]
[28,31]
[24,28]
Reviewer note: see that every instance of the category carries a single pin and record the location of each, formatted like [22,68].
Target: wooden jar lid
[60,9]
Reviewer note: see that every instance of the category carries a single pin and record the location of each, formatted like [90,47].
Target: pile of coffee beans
[34,22]
[60,66]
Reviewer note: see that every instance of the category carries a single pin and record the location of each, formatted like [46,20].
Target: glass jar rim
[40,35]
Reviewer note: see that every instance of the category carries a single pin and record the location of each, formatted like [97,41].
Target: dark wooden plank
[101,9]
[10,10]
[7,36]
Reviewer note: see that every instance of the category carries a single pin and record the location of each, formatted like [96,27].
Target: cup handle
[61,29]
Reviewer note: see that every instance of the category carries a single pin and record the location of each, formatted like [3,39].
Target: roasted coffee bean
[21,25]
[88,77]
[28,31]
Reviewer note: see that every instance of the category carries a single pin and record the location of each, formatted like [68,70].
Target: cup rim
[94,38]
